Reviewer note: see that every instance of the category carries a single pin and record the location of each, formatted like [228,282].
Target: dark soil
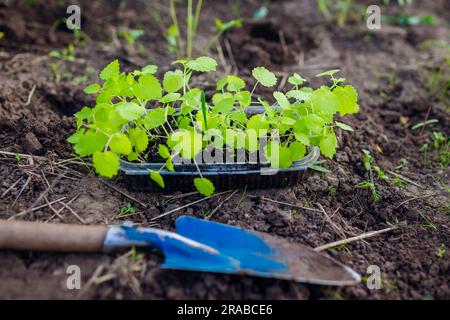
[388,67]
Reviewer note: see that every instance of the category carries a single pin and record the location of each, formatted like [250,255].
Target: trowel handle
[21,235]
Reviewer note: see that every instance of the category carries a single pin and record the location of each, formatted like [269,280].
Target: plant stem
[192,23]
[189,30]
[213,40]
[197,15]
[173,14]
[253,90]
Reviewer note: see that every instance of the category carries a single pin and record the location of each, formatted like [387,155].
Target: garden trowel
[198,245]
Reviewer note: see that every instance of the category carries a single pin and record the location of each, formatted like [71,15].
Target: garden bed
[389,69]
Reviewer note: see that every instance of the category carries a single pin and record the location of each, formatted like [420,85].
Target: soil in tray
[391,80]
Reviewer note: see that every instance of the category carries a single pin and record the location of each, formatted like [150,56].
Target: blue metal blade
[267,256]
[246,247]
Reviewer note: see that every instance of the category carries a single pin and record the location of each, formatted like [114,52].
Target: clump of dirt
[268,43]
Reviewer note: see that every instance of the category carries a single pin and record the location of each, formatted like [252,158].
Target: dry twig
[221,204]
[352,239]
[188,205]
[123,193]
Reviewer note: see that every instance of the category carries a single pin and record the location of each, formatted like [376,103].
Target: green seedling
[440,252]
[261,13]
[67,54]
[192,19]
[310,202]
[58,75]
[398,182]
[235,8]
[130,36]
[221,27]
[135,255]
[438,152]
[424,123]
[403,162]
[407,20]
[80,36]
[317,166]
[127,210]
[18,157]
[331,190]
[172,36]
[367,184]
[399,2]
[375,171]
[428,222]
[242,197]
[338,10]
[389,285]
[183,122]
[175,43]
[438,80]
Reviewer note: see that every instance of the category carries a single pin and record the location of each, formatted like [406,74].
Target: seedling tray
[223,176]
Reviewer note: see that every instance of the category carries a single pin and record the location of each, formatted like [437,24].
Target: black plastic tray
[224,176]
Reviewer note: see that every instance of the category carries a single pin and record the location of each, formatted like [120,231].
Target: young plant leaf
[259,124]
[224,106]
[302,137]
[204,186]
[92,88]
[154,118]
[328,144]
[279,156]
[130,110]
[344,126]
[324,101]
[202,64]
[75,138]
[264,76]
[173,81]
[169,165]
[155,176]
[282,101]
[120,144]
[151,68]
[347,99]
[170,97]
[148,87]
[297,150]
[163,151]
[138,138]
[296,79]
[112,70]
[328,73]
[90,143]
[244,98]
[106,163]
[300,95]
[234,83]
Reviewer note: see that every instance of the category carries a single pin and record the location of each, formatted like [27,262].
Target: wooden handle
[21,235]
